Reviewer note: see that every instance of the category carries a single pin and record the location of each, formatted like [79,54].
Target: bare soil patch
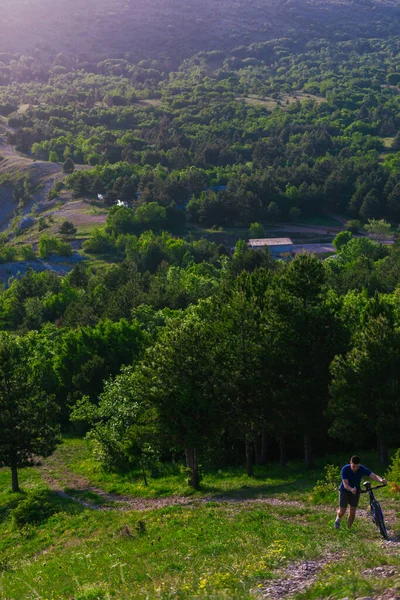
[150,102]
[298,577]
[24,108]
[282,100]
[80,214]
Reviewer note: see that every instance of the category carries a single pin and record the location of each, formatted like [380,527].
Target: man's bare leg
[341,512]
[351,516]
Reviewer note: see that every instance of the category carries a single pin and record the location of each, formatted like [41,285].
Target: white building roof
[271,242]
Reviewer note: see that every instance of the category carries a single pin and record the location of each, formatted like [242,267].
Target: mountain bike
[375,507]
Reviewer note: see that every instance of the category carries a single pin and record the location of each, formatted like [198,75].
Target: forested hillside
[171,30]
[232,139]
[149,358]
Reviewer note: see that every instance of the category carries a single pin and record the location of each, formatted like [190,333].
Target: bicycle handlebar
[373,488]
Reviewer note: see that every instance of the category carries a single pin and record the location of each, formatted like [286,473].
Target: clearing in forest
[282,100]
[79,532]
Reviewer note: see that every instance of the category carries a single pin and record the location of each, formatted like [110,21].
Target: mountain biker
[349,490]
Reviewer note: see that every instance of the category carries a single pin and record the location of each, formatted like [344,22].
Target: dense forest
[227,139]
[163,345]
[224,357]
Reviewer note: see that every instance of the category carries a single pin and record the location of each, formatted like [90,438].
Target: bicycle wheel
[377,517]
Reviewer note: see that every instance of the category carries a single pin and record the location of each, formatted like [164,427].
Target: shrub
[34,509]
[342,239]
[26,253]
[69,166]
[294,213]
[99,242]
[256,230]
[67,228]
[353,226]
[51,245]
[393,473]
[53,156]
[8,254]
[42,224]
[325,489]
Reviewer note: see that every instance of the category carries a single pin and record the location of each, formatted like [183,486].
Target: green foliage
[326,489]
[33,509]
[42,223]
[99,242]
[151,216]
[26,252]
[365,384]
[68,165]
[29,424]
[92,592]
[8,254]
[294,213]
[51,245]
[393,472]
[67,228]
[256,230]
[342,239]
[125,430]
[53,156]
[378,228]
[353,225]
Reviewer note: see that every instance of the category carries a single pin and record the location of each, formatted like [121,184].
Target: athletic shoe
[337,524]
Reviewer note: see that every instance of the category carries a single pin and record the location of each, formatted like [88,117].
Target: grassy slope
[217,549]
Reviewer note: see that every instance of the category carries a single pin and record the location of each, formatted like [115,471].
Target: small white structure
[276,246]
[122,203]
[100,197]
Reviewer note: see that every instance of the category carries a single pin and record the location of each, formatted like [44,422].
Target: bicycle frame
[376,511]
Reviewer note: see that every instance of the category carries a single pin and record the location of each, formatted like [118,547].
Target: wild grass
[74,459]
[226,547]
[319,220]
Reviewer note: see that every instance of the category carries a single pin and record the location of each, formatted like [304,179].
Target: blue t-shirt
[354,478]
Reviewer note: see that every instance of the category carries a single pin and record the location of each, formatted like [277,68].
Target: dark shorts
[346,498]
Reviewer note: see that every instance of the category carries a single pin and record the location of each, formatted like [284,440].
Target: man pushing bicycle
[350,488]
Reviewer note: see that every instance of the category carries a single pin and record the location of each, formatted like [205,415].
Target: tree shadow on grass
[255,491]
[34,507]
[9,504]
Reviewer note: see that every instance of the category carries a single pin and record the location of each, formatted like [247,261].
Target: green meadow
[236,536]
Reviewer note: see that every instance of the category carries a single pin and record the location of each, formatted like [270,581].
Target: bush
[99,242]
[51,245]
[8,254]
[69,166]
[53,156]
[393,474]
[26,253]
[34,509]
[326,489]
[294,213]
[256,230]
[342,239]
[67,228]
[42,224]
[353,226]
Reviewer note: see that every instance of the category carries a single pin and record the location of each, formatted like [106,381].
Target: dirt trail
[69,485]
[76,485]
[298,577]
